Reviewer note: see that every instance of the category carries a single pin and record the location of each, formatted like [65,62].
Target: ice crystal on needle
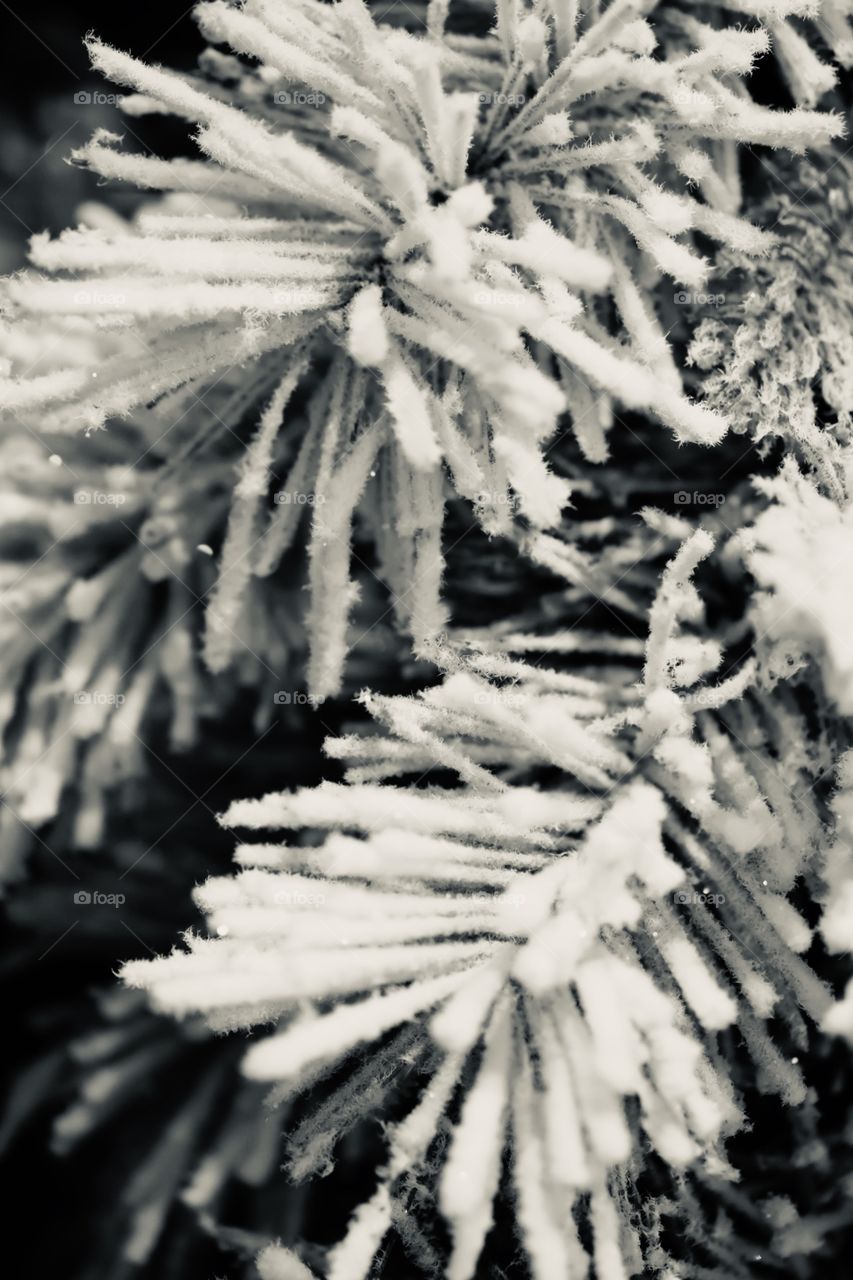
[543,939]
[104,563]
[776,352]
[796,549]
[418,307]
[468,229]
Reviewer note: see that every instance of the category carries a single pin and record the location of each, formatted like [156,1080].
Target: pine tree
[524,328]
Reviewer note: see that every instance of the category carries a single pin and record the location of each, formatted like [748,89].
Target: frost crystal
[469,253]
[568,954]
[492,360]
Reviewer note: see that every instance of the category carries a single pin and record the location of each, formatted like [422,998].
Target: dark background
[44,65]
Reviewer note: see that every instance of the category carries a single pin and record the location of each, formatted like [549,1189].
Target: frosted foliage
[381,393]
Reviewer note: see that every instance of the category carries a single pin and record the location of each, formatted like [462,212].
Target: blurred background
[50,102]
[69,1191]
